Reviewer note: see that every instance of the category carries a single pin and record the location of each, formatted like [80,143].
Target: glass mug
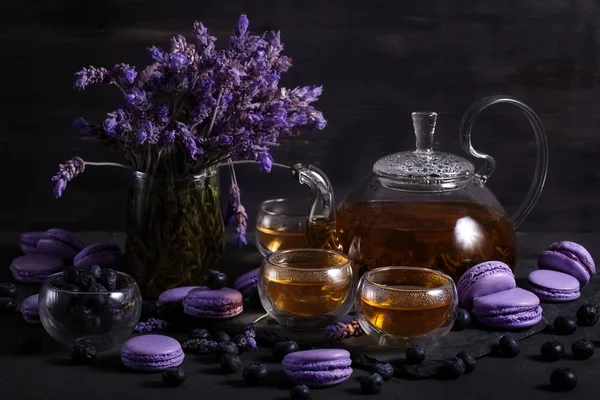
[399,306]
[281,225]
[305,289]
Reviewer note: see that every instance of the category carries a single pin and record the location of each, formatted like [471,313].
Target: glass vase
[175,230]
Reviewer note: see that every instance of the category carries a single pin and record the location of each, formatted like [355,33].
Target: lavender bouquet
[194,108]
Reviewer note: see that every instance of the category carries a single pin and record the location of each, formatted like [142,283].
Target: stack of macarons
[490,292]
[152,353]
[318,368]
[246,284]
[564,268]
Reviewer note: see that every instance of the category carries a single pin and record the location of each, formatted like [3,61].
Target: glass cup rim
[308,250]
[284,200]
[208,173]
[48,283]
[369,275]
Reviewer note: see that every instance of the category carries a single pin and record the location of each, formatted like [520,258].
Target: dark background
[378,61]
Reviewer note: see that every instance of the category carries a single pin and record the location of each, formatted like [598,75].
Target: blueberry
[509,346]
[220,337]
[282,349]
[468,359]
[552,350]
[385,370]
[564,326]
[93,324]
[80,314]
[122,282]
[563,379]
[453,368]
[83,353]
[30,345]
[215,280]
[230,363]
[8,289]
[70,275]
[415,355]
[462,321]
[8,306]
[371,384]
[94,270]
[200,333]
[108,278]
[582,349]
[300,392]
[85,279]
[255,373]
[97,288]
[174,377]
[227,347]
[587,315]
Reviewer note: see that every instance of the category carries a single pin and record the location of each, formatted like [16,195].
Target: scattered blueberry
[8,306]
[371,384]
[462,321]
[230,363]
[564,326]
[300,392]
[85,279]
[224,348]
[83,353]
[563,379]
[30,345]
[215,280]
[8,289]
[94,270]
[552,350]
[97,288]
[385,370]
[174,377]
[587,315]
[207,347]
[255,373]
[453,368]
[70,275]
[415,355]
[108,278]
[582,349]
[282,349]
[509,346]
[468,359]
[200,333]
[221,337]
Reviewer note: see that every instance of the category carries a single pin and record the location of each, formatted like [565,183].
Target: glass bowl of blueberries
[94,306]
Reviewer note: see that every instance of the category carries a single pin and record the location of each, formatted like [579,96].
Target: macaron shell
[318,368]
[578,250]
[217,304]
[175,295]
[553,286]
[60,243]
[557,261]
[102,254]
[35,268]
[29,242]
[319,379]
[519,320]
[506,301]
[151,353]
[29,309]
[484,279]
[247,282]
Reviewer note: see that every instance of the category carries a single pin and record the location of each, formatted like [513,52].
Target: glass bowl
[400,306]
[104,320]
[305,289]
[281,225]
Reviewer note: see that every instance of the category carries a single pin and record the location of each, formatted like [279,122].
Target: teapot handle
[541,163]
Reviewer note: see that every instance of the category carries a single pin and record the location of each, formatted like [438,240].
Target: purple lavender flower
[145,132]
[162,114]
[157,54]
[124,73]
[241,225]
[83,126]
[166,138]
[136,97]
[234,196]
[66,172]
[90,76]
[265,161]
[178,62]
[151,325]
[341,330]
[117,124]
[241,27]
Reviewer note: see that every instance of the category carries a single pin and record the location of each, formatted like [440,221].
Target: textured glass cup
[281,225]
[104,320]
[399,306]
[306,289]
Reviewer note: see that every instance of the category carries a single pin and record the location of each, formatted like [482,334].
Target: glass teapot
[424,207]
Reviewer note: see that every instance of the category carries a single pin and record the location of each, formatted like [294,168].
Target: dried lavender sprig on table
[342,330]
[151,325]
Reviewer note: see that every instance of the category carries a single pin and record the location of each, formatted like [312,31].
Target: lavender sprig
[151,325]
[199,346]
[66,172]
[341,330]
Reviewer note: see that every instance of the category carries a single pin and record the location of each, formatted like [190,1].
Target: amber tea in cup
[306,288]
[405,305]
[281,225]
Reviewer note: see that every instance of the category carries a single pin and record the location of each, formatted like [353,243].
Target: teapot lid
[424,169]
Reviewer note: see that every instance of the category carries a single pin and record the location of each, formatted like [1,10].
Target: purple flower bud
[224,140]
[136,97]
[66,172]
[124,73]
[178,62]
[90,76]
[166,138]
[157,54]
[162,114]
[83,126]
[265,161]
[178,44]
[241,225]
[273,39]
[110,124]
[241,27]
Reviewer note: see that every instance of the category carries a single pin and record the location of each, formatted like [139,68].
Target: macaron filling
[152,362]
[575,258]
[319,367]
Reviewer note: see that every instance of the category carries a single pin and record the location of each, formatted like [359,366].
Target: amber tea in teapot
[424,208]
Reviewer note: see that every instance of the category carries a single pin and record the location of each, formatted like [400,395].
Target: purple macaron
[553,286]
[106,255]
[175,295]
[35,268]
[151,353]
[29,242]
[246,284]
[29,309]
[509,309]
[60,243]
[570,258]
[483,279]
[215,304]
[318,368]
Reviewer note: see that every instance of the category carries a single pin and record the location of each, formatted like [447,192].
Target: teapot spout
[321,221]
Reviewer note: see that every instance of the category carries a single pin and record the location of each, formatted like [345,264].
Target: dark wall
[378,61]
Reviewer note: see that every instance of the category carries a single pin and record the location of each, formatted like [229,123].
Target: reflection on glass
[281,225]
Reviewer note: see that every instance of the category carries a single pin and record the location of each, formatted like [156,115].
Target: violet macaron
[29,309]
[29,242]
[151,353]
[553,286]
[60,243]
[570,258]
[102,254]
[483,279]
[35,268]
[246,284]
[509,309]
[214,304]
[318,368]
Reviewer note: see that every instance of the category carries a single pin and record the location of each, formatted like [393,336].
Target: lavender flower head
[151,325]
[341,330]
[66,172]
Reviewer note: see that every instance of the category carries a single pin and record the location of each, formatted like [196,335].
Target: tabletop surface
[49,375]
